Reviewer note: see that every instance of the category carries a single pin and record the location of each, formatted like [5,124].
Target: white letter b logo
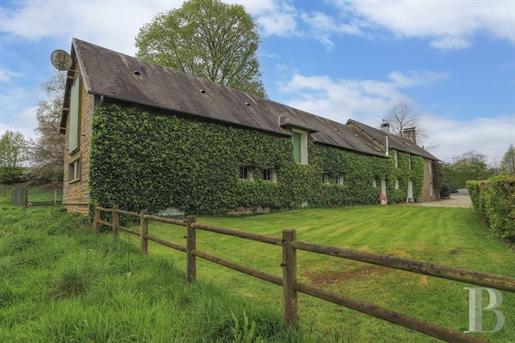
[476,310]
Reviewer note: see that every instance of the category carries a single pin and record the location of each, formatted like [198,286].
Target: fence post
[116,220]
[290,313]
[96,218]
[191,244]
[144,231]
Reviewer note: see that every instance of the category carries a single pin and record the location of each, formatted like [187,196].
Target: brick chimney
[410,133]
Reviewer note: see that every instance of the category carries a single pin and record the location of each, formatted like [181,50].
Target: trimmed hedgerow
[142,159]
[494,200]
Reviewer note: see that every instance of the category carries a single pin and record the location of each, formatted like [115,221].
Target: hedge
[142,159]
[494,200]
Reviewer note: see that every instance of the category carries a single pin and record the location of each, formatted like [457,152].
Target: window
[431,189]
[73,142]
[300,146]
[396,183]
[430,167]
[244,174]
[395,158]
[74,171]
[269,175]
[339,179]
[325,178]
[375,183]
[409,162]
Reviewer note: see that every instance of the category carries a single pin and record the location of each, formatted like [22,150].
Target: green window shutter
[73,143]
[296,147]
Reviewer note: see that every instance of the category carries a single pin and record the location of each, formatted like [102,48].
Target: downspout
[386,140]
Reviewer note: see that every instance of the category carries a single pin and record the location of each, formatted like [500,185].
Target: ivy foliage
[146,160]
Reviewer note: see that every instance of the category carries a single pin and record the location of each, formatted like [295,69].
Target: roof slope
[118,76]
[394,142]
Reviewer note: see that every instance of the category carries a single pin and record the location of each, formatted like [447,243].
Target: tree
[206,38]
[508,161]
[402,116]
[48,151]
[469,166]
[13,153]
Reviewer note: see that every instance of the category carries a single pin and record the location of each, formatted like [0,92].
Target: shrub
[494,200]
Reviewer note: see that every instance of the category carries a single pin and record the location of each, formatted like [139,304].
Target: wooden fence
[5,190]
[291,286]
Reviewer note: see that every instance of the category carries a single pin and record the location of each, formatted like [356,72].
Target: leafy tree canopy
[468,166]
[13,153]
[206,38]
[508,161]
[47,152]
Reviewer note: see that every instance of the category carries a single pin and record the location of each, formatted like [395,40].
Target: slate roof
[394,142]
[118,76]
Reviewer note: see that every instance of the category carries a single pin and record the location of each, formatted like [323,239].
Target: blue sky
[453,61]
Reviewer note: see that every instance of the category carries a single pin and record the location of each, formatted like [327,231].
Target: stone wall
[75,192]
[428,183]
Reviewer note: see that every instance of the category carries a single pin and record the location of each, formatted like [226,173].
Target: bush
[494,200]
[446,190]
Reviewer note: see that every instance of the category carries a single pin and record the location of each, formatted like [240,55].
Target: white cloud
[108,23]
[488,136]
[274,17]
[322,26]
[447,24]
[367,100]
[6,75]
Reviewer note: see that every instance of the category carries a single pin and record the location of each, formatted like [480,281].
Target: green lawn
[445,236]
[62,282]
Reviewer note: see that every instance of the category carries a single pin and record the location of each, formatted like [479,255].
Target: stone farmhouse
[142,135]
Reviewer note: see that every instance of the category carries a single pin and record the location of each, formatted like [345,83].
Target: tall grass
[62,282]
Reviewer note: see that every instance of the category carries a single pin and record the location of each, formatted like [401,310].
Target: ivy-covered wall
[141,159]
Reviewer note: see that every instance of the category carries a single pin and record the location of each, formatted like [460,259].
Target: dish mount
[61,60]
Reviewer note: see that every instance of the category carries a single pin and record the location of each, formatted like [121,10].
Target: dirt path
[460,199]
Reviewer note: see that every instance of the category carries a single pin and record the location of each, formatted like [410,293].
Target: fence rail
[288,281]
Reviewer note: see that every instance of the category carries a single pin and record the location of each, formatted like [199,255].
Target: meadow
[60,281]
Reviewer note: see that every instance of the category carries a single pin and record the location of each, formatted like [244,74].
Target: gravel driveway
[460,199]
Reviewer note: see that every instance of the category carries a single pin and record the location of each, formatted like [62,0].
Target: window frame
[303,146]
[269,174]
[74,170]
[74,114]
[244,173]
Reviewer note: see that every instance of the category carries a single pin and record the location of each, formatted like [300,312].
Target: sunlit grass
[446,236]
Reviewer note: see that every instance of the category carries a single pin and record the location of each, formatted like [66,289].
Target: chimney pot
[385,127]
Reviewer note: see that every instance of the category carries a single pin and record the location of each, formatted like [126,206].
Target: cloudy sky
[453,61]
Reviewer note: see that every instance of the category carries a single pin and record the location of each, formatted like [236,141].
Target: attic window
[373,147]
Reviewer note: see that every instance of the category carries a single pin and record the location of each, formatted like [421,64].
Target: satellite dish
[61,60]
